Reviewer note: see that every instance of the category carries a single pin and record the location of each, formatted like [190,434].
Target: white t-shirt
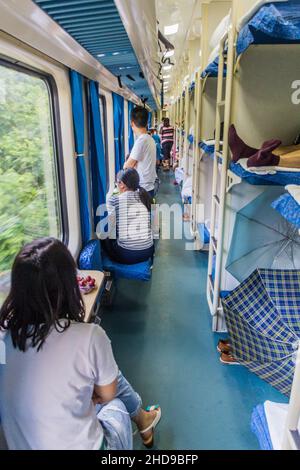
[46,396]
[144,152]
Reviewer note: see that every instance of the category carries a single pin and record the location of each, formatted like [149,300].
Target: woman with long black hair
[61,387]
[130,236]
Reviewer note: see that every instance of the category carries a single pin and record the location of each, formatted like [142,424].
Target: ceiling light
[172,29]
[101,55]
[167,67]
[116,53]
[169,54]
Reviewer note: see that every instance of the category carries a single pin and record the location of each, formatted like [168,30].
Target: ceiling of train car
[187,15]
[97,26]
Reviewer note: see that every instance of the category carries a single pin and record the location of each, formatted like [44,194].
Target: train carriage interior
[199,295]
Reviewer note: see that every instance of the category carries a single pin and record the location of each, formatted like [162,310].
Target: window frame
[50,83]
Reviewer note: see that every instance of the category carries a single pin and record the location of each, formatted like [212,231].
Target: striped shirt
[130,221]
[167,134]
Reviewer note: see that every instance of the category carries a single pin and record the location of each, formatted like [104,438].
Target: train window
[29,188]
[103,110]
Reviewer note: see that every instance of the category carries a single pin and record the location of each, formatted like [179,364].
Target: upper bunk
[268,22]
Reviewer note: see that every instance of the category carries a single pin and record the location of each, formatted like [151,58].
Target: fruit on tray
[86,284]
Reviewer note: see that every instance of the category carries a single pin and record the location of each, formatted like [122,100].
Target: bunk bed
[277,425]
[253,74]
[275,22]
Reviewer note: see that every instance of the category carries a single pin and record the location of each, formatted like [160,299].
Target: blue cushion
[139,271]
[90,257]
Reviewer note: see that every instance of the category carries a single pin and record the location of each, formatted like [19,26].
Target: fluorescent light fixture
[116,53]
[166,76]
[169,54]
[172,29]
[167,67]
[101,55]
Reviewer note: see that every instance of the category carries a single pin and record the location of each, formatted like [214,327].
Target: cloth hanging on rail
[76,82]
[97,152]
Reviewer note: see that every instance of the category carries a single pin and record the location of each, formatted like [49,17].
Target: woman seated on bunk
[61,387]
[130,233]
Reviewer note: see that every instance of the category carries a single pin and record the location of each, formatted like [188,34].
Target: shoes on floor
[224,346]
[228,359]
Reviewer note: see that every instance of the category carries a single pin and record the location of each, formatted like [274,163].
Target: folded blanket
[294,191]
[266,170]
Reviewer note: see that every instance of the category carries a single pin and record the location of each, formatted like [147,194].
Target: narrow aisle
[162,340]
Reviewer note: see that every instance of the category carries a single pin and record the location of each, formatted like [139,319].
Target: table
[91,298]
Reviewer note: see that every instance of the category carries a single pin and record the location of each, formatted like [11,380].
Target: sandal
[224,346]
[229,359]
[150,441]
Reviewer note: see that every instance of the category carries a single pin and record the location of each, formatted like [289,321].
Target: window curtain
[76,81]
[97,152]
[118,103]
[130,131]
[150,121]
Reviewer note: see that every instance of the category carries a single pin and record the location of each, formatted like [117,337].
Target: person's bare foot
[143,421]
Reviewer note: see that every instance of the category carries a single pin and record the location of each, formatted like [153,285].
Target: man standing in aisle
[143,154]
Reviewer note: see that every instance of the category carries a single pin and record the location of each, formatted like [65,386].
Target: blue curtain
[118,103]
[130,131]
[76,81]
[150,121]
[97,151]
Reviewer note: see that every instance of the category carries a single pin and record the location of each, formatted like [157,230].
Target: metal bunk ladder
[220,180]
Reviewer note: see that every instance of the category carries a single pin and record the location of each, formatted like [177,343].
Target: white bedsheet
[276,414]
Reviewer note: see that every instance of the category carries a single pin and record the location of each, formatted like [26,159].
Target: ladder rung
[221,103]
[216,199]
[211,284]
[214,244]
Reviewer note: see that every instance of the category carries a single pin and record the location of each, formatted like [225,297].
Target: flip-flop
[149,442]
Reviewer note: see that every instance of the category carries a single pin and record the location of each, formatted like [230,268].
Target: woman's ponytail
[145,198]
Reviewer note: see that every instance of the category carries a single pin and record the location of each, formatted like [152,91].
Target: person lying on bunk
[143,153]
[271,153]
[131,237]
[61,387]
